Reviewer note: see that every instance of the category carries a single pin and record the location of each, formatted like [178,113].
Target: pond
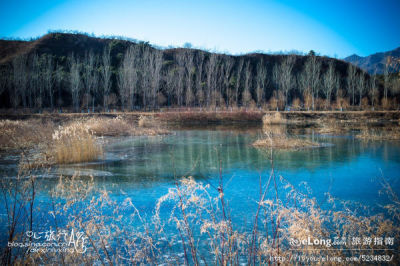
[145,168]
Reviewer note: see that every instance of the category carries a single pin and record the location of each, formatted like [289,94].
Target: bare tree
[20,80]
[211,78]
[200,97]
[48,78]
[199,76]
[373,90]
[238,79]
[88,75]
[188,66]
[262,82]
[74,80]
[310,80]
[361,86]
[123,85]
[35,84]
[219,82]
[228,66]
[283,76]
[246,96]
[95,87]
[171,84]
[386,81]
[59,79]
[180,74]
[330,80]
[106,75]
[145,67]
[127,77]
[351,81]
[155,70]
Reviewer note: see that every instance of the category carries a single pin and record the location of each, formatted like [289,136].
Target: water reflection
[345,165]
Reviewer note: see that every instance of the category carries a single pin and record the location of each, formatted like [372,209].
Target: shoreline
[196,117]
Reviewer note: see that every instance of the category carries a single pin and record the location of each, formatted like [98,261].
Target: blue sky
[335,28]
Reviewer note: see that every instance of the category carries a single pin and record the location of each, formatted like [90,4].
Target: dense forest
[77,72]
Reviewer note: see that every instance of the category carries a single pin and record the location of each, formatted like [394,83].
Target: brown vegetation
[332,126]
[121,126]
[24,134]
[73,143]
[284,143]
[117,233]
[205,116]
[276,137]
[386,133]
[273,119]
[74,140]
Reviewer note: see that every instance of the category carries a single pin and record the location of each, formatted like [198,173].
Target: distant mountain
[375,62]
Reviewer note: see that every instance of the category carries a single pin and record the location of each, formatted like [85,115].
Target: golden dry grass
[76,142]
[146,121]
[23,134]
[103,126]
[331,126]
[120,126]
[285,143]
[275,118]
[73,144]
[75,139]
[117,233]
[276,137]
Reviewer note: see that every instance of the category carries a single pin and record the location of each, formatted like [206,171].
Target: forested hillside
[79,73]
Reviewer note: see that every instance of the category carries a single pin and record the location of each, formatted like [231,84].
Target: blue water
[144,168]
[347,168]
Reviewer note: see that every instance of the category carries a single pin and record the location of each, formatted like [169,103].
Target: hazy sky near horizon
[335,28]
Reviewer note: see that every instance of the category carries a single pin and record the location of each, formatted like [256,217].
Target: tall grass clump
[276,136]
[74,143]
[275,118]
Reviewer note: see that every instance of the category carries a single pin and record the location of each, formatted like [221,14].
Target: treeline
[124,75]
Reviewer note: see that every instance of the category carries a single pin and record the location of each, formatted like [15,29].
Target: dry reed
[73,144]
[275,136]
[275,118]
[116,233]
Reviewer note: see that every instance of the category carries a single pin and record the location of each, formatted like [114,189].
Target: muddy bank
[198,118]
[304,118]
[350,117]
